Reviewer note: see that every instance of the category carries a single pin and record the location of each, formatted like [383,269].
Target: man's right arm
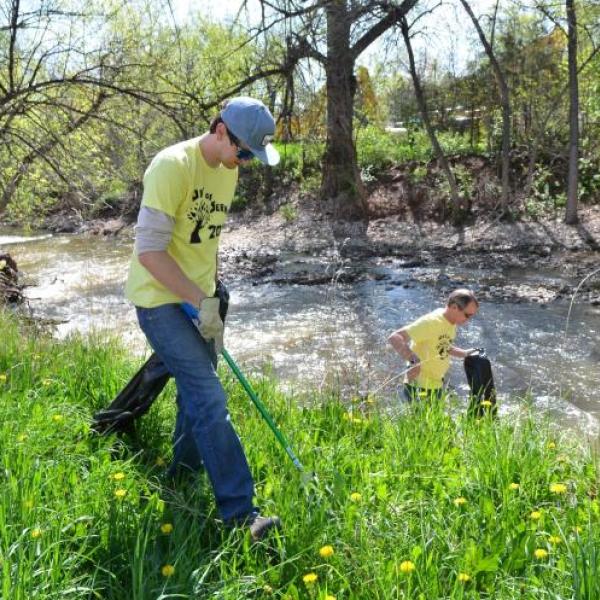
[400,341]
[153,234]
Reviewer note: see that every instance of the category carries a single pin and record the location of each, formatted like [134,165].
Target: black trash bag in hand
[481,382]
[136,398]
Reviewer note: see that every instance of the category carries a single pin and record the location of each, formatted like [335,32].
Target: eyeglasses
[242,153]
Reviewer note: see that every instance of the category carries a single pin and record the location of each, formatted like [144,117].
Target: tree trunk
[420,97]
[341,177]
[573,177]
[505,102]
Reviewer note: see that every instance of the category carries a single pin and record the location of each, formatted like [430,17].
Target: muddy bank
[313,250]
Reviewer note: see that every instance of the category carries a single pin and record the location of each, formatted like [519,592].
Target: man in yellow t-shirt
[427,344]
[188,189]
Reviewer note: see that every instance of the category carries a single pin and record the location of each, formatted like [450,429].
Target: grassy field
[418,505]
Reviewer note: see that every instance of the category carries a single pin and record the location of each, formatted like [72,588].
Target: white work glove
[210,325]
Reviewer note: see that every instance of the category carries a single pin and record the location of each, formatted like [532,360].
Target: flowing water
[314,336]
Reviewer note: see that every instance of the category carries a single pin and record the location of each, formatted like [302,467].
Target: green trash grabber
[262,409]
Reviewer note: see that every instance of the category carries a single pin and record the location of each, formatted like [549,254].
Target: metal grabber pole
[262,409]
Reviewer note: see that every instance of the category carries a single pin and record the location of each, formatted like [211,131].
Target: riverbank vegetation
[82,115]
[415,503]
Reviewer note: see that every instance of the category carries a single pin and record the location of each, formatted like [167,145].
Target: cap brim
[267,155]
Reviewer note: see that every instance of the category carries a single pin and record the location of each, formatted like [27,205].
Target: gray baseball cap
[252,123]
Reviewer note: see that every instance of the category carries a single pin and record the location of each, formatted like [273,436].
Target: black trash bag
[481,382]
[136,398]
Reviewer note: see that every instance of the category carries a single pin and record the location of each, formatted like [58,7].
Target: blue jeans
[204,434]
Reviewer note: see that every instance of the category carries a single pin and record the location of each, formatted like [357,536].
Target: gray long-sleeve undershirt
[153,230]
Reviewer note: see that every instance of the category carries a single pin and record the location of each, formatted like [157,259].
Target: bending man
[188,189]
[427,344]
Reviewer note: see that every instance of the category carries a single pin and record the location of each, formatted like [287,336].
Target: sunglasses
[242,153]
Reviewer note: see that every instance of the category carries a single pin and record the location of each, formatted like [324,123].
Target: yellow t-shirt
[179,183]
[431,337]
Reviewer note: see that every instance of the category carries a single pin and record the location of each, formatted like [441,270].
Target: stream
[313,336]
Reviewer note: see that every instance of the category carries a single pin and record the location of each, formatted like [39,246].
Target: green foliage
[288,212]
[407,501]
[379,149]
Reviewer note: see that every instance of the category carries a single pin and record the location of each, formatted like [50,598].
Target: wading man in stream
[188,189]
[427,344]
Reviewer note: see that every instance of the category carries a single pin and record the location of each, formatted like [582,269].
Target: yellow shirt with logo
[179,183]
[432,336]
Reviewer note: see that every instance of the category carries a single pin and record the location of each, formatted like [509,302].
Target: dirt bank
[256,246]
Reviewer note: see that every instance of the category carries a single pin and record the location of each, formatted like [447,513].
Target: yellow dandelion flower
[460,501]
[535,515]
[540,553]
[118,476]
[326,551]
[36,533]
[22,437]
[47,381]
[514,486]
[486,403]
[2,377]
[464,577]
[407,566]
[310,578]
[28,504]
[329,597]
[167,570]
[120,493]
[357,420]
[57,418]
[160,461]
[558,488]
[555,539]
[551,446]
[355,497]
[166,528]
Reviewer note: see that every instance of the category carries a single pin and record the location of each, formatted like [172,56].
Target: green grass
[386,497]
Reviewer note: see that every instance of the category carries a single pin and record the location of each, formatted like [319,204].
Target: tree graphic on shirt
[199,213]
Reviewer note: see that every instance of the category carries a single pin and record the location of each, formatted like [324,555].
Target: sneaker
[260,526]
